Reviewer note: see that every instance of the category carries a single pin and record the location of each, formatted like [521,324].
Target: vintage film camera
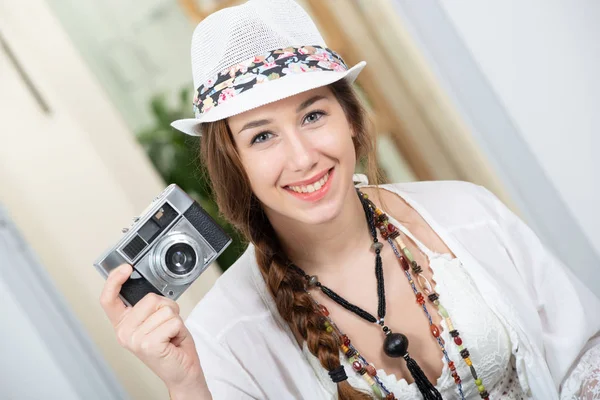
[169,246]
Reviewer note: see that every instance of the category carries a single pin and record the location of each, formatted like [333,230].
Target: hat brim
[266,93]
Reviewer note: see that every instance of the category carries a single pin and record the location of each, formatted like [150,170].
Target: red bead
[456,377]
[345,340]
[451,366]
[435,331]
[391,228]
[458,340]
[371,370]
[357,365]
[420,298]
[323,310]
[404,263]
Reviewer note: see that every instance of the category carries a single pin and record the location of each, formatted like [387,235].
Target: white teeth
[311,188]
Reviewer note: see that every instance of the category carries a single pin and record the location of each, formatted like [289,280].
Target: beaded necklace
[395,344]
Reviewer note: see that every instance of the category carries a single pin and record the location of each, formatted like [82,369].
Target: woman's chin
[321,214]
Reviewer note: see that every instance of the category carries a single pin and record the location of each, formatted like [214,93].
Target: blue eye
[261,137]
[314,116]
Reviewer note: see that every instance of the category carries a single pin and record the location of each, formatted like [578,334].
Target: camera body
[169,246]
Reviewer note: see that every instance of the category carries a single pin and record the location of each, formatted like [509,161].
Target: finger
[149,304]
[140,334]
[158,318]
[109,298]
[158,342]
[172,331]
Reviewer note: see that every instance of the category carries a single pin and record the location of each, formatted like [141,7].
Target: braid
[242,209]
[294,304]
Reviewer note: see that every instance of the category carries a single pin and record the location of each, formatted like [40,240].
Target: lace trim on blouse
[487,339]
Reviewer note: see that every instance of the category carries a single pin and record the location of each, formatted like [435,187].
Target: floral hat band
[264,45]
[263,68]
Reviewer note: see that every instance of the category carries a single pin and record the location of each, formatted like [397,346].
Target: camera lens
[180,259]
[177,259]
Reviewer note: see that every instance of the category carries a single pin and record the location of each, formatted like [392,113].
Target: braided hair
[242,209]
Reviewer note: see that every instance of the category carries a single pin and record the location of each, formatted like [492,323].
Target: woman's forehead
[279,106]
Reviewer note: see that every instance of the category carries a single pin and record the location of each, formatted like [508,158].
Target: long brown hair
[238,204]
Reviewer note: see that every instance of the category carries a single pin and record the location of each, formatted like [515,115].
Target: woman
[422,290]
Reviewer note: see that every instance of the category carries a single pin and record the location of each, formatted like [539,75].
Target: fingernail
[125,270]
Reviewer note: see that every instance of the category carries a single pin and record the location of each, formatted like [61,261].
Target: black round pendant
[395,345]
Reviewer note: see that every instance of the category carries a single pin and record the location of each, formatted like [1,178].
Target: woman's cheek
[324,138]
[263,168]
[335,142]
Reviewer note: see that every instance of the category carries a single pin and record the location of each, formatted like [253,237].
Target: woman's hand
[154,331]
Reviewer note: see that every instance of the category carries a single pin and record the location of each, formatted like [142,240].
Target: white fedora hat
[256,53]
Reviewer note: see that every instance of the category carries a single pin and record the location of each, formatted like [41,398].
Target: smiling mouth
[312,187]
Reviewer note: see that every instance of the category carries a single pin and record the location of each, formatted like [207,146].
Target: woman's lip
[309,181]
[317,194]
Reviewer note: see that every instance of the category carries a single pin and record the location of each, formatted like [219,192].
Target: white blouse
[542,320]
[487,339]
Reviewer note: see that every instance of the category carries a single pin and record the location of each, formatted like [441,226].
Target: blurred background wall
[71,175]
[498,93]
[546,76]
[524,77]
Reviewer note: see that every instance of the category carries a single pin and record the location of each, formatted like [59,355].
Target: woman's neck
[326,247]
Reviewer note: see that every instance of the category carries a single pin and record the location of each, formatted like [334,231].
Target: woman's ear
[352,130]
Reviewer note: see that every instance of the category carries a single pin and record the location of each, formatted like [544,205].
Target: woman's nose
[301,154]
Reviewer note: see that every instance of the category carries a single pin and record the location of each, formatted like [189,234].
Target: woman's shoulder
[238,296]
[449,202]
[425,189]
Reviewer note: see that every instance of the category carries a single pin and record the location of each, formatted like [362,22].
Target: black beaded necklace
[395,344]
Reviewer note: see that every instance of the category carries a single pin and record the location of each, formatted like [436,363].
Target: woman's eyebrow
[255,124]
[307,103]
